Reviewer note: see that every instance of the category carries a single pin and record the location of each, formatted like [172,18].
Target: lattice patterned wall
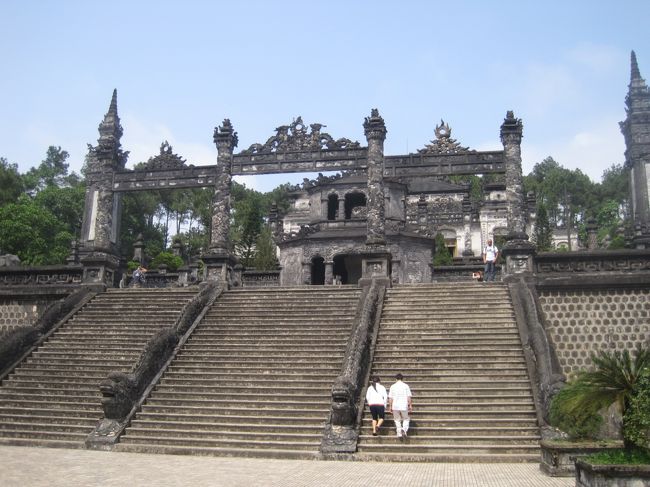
[583,321]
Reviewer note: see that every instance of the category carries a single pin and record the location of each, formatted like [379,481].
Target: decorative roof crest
[443,144]
[165,160]
[296,137]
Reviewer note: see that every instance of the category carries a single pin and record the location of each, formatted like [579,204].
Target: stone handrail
[18,343]
[46,275]
[342,430]
[123,394]
[254,278]
[543,366]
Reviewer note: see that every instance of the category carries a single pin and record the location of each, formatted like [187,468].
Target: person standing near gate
[399,403]
[490,255]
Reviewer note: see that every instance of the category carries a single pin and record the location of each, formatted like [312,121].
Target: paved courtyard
[27,467]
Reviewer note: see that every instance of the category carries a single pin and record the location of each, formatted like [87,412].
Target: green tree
[441,254]
[33,233]
[613,380]
[53,171]
[543,236]
[265,255]
[11,183]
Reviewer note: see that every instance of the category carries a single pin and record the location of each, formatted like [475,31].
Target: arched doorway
[353,200]
[348,268]
[332,206]
[318,271]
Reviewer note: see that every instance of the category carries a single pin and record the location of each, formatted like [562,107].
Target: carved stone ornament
[165,160]
[443,144]
[296,137]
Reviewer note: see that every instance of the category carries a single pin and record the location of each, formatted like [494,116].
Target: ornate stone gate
[294,148]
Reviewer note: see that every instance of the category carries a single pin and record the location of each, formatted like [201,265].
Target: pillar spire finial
[635,73]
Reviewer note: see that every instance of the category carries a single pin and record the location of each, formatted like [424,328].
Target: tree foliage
[11,183]
[441,254]
[614,379]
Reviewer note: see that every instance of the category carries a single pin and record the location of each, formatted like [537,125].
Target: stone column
[138,249]
[518,252]
[592,234]
[511,134]
[636,131]
[99,241]
[341,213]
[329,272]
[306,273]
[375,131]
[219,261]
[226,140]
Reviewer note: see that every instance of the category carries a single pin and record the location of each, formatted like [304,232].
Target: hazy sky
[180,68]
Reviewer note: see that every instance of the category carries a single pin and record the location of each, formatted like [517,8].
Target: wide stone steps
[53,397]
[254,379]
[459,349]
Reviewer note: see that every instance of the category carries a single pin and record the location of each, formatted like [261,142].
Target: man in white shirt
[490,254]
[399,403]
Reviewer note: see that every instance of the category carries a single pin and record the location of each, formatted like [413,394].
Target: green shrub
[637,417]
[172,261]
[582,424]
[442,255]
[132,265]
[636,456]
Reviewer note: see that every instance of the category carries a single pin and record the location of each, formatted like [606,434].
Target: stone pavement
[51,467]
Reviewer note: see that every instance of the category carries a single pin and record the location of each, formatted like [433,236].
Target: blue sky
[180,68]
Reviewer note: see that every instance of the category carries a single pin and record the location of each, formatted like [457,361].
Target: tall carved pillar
[329,272]
[375,131]
[100,226]
[518,251]
[636,130]
[341,211]
[219,261]
[511,134]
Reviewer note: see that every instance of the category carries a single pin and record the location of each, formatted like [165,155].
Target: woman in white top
[376,398]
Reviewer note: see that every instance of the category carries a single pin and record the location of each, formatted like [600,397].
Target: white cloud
[592,150]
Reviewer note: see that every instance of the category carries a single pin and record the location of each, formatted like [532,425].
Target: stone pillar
[592,234]
[341,214]
[422,213]
[138,249]
[226,140]
[511,134]
[329,273]
[306,272]
[375,131]
[219,261]
[518,252]
[99,241]
[636,130]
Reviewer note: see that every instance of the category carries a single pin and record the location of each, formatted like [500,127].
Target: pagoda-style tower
[636,130]
[100,228]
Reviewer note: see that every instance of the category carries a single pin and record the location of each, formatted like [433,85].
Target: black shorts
[377,412]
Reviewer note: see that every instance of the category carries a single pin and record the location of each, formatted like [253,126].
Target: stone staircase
[459,350]
[254,379]
[52,398]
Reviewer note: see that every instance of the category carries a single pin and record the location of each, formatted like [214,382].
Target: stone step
[262,403]
[82,404]
[228,361]
[448,458]
[318,412]
[388,428]
[184,416]
[207,428]
[207,369]
[275,376]
[306,444]
[44,426]
[408,447]
[191,394]
[52,419]
[416,438]
[6,410]
[227,434]
[9,397]
[44,434]
[219,451]
[253,352]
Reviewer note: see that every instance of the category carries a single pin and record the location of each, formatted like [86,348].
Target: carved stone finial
[635,73]
[295,137]
[165,160]
[374,126]
[225,134]
[511,129]
[108,145]
[443,144]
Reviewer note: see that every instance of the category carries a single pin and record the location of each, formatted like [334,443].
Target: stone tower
[636,130]
[100,228]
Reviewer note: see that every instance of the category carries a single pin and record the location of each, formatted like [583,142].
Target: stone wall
[15,312]
[582,321]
